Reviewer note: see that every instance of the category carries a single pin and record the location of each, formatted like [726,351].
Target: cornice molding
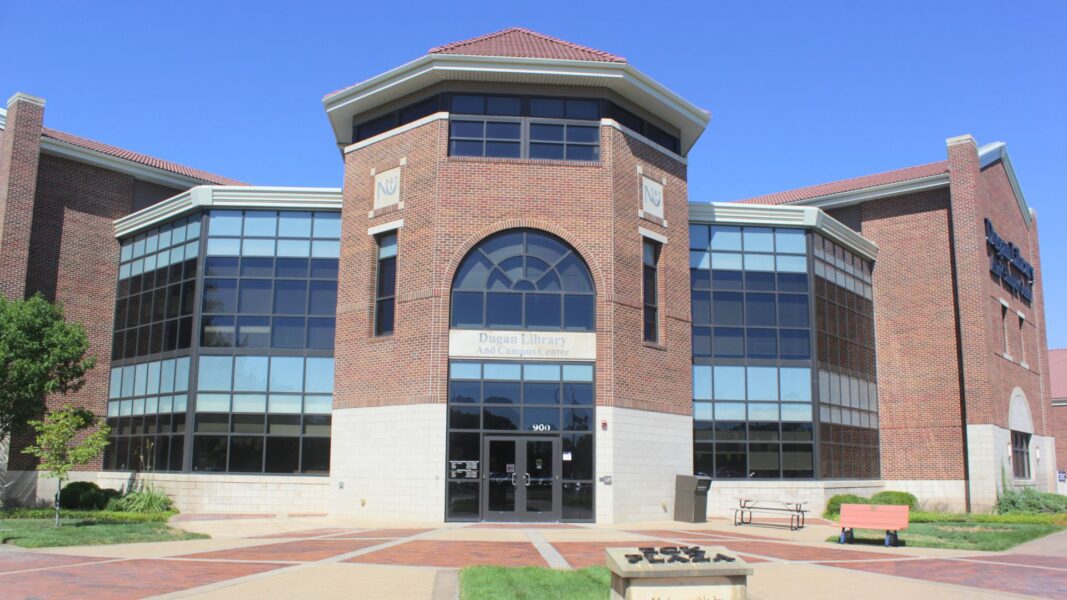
[229,197]
[789,215]
[991,153]
[343,105]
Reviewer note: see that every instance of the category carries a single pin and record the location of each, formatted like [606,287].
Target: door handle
[515,479]
[526,477]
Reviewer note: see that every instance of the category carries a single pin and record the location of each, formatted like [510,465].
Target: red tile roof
[142,159]
[1057,366]
[850,185]
[522,43]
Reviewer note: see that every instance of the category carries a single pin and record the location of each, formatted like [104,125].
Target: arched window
[523,279]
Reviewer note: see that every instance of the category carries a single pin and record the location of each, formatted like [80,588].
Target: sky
[800,92]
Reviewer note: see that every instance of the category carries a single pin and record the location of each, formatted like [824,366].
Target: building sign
[1007,264]
[652,197]
[387,188]
[525,345]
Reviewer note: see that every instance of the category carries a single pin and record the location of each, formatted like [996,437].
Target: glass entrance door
[521,482]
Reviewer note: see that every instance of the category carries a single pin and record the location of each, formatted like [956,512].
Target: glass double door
[521,482]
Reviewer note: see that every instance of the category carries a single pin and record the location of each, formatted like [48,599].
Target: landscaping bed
[960,535]
[1023,516]
[534,583]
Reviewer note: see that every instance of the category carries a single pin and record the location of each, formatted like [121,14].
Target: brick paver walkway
[120,572]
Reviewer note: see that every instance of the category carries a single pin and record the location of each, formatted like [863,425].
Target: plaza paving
[319,557]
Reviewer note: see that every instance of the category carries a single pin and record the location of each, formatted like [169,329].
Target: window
[146,411]
[651,290]
[156,288]
[270,279]
[396,118]
[523,279]
[263,414]
[515,127]
[1004,329]
[385,295]
[1022,340]
[1020,455]
[537,109]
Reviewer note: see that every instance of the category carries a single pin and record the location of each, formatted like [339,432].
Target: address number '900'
[541,427]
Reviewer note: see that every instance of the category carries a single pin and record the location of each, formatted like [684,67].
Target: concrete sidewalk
[320,557]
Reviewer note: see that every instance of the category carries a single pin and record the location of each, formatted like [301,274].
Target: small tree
[62,443]
[40,354]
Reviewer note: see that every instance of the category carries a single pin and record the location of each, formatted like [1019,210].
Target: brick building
[1057,360]
[512,311]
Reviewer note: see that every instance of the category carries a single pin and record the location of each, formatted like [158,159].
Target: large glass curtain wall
[752,352]
[845,351]
[255,305]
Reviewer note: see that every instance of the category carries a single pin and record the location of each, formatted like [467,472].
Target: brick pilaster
[20,150]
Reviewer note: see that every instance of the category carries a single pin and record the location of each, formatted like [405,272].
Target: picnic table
[794,508]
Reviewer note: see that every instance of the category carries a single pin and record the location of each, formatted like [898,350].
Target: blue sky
[800,93]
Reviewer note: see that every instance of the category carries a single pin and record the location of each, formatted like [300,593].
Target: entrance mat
[1007,578]
[299,551]
[122,580]
[458,554]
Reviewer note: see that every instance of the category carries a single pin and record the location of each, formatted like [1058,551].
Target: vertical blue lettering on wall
[1007,264]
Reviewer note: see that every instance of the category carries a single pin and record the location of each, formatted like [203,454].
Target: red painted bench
[887,517]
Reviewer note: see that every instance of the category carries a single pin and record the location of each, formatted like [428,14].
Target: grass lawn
[961,535]
[40,533]
[533,583]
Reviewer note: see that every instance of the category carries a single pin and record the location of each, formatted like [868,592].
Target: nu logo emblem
[387,188]
[653,195]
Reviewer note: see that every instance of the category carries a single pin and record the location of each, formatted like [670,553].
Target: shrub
[145,500]
[79,495]
[833,505]
[899,498]
[85,495]
[1029,500]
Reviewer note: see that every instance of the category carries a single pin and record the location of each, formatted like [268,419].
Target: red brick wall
[450,204]
[916,314]
[997,203]
[74,260]
[918,380]
[19,151]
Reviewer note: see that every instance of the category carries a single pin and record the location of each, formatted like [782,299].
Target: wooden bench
[885,517]
[795,509]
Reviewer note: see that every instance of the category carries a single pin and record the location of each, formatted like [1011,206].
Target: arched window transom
[523,279]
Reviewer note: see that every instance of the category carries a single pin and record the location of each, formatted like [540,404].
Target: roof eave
[99,159]
[897,188]
[788,215]
[228,196]
[341,106]
[991,153]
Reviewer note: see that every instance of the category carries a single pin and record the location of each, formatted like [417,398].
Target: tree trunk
[59,487]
